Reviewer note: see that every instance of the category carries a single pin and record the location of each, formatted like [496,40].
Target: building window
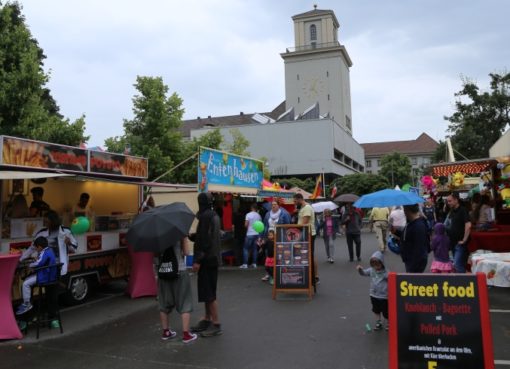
[298,100]
[348,123]
[327,73]
[328,97]
[313,33]
[426,161]
[368,163]
[298,77]
[414,161]
[369,172]
[378,163]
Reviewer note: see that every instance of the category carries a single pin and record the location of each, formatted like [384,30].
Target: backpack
[168,265]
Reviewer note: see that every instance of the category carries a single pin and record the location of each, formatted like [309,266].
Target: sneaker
[243,266]
[359,259]
[271,281]
[168,334]
[378,326]
[317,281]
[265,278]
[55,324]
[23,308]
[213,330]
[254,266]
[201,326]
[188,337]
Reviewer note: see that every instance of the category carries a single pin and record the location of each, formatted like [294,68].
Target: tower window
[327,73]
[313,32]
[298,77]
[298,100]
[328,97]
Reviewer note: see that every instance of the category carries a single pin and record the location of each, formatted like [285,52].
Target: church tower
[317,68]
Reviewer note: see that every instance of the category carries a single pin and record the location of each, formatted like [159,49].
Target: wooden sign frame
[292,272]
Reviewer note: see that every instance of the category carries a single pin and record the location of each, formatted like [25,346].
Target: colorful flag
[317,192]
[333,192]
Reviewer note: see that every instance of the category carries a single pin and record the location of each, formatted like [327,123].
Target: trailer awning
[18,174]
[466,167]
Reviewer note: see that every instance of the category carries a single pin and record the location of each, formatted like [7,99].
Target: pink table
[142,281]
[8,327]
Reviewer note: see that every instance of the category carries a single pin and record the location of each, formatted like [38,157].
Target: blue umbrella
[387,198]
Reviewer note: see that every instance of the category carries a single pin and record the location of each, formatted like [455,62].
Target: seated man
[45,257]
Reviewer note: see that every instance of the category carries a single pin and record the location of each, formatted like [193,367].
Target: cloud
[222,57]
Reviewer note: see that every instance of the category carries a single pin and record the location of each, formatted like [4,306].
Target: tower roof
[317,13]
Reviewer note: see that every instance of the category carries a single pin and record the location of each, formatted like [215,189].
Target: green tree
[480,117]
[396,168]
[307,184]
[239,144]
[154,130]
[188,171]
[359,183]
[27,108]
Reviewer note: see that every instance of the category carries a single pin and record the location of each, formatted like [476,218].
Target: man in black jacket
[415,240]
[205,263]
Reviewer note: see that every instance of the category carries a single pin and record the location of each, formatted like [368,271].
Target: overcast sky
[223,56]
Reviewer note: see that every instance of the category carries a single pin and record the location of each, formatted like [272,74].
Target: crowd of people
[418,231]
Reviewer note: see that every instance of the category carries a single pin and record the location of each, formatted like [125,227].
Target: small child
[267,245]
[378,288]
[45,257]
[440,245]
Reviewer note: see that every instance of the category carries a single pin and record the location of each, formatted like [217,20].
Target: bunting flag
[317,192]
[333,192]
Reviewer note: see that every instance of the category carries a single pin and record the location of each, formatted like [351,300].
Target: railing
[313,46]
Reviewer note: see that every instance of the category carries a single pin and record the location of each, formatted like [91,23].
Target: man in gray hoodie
[378,288]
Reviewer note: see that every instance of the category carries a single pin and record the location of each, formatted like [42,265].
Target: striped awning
[465,167]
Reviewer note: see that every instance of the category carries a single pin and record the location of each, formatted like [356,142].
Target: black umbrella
[347,197]
[157,229]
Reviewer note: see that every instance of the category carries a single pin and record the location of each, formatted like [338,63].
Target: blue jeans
[460,256]
[250,243]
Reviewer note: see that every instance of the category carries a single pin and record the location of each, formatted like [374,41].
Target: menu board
[439,321]
[292,253]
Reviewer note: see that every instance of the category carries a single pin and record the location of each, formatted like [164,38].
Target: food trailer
[114,183]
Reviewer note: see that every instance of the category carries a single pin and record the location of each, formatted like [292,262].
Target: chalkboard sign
[439,321]
[292,255]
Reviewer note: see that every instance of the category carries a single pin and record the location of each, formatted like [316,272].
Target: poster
[439,321]
[292,258]
[227,172]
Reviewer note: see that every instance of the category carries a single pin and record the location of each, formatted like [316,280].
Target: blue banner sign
[225,172]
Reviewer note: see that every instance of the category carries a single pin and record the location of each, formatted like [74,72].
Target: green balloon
[258,226]
[406,187]
[80,225]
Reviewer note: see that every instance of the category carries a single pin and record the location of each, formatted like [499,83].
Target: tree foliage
[359,183]
[480,117]
[396,168]
[307,184]
[27,108]
[239,144]
[154,130]
[188,171]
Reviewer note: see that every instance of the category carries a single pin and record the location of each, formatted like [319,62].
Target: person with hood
[378,288]
[440,246]
[205,264]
